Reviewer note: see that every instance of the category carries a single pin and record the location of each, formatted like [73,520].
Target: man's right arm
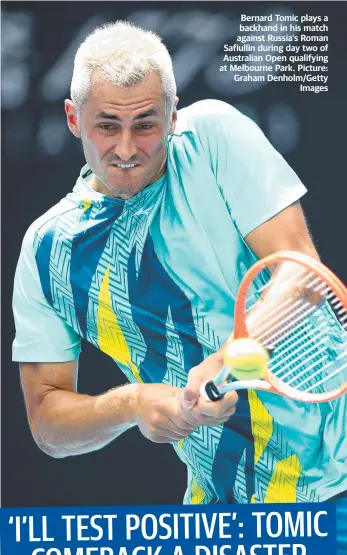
[64,422]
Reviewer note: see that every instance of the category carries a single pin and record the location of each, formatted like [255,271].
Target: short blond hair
[122,53]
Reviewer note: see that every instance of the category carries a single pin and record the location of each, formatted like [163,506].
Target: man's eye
[106,126]
[145,126]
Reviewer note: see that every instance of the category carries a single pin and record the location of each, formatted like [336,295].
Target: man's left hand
[194,408]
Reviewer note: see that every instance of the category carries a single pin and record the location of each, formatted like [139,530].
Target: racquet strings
[295,314]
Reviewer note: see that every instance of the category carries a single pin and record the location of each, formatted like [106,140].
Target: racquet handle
[212,392]
[209,391]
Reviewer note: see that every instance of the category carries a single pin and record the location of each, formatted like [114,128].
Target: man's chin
[126,190]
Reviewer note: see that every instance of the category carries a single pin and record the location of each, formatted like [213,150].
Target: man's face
[124,134]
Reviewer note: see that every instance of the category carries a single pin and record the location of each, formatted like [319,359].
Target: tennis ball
[246,358]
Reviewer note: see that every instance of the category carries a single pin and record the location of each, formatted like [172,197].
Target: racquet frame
[270,383]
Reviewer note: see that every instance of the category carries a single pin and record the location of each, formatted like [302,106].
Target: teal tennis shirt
[152,280]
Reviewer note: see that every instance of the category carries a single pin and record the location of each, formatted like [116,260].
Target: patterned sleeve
[255,180]
[41,336]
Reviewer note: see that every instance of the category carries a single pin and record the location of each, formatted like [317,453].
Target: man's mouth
[125,166]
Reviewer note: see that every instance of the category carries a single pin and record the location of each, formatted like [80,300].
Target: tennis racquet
[295,308]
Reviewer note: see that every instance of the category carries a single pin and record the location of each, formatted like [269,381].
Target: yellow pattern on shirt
[110,336]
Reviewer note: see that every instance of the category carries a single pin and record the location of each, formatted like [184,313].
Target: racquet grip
[211,392]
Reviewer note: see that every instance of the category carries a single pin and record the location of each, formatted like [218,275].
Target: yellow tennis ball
[246,358]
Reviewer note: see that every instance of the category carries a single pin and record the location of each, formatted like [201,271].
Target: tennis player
[143,259]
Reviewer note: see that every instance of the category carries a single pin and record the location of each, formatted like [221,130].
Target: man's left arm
[287,230]
[262,193]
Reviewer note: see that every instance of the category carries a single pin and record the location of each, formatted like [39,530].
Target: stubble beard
[132,188]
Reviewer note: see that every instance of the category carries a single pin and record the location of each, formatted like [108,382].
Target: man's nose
[125,147]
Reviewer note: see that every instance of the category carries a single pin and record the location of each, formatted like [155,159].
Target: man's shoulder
[211,121]
[208,106]
[57,212]
[204,111]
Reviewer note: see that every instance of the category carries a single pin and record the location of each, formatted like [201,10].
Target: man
[143,260]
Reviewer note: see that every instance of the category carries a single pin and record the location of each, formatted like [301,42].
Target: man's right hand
[163,413]
[157,412]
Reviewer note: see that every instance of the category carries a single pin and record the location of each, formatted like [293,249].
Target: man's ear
[72,118]
[174,116]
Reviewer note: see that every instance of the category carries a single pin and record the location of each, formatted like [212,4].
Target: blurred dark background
[41,161]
